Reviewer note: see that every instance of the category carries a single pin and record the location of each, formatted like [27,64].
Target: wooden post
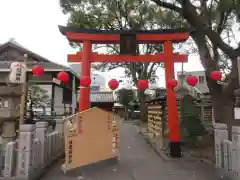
[24,92]
[84,98]
[173,119]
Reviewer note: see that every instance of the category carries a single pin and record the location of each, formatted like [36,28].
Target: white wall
[74,96]
[58,105]
[48,89]
[98,80]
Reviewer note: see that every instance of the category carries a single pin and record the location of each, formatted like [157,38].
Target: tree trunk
[223,98]
[223,110]
[143,108]
[126,114]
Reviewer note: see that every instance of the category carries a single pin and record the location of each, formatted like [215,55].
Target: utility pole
[24,92]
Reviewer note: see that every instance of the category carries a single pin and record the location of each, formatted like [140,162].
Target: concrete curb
[167,158]
[223,174]
[49,167]
[155,148]
[163,155]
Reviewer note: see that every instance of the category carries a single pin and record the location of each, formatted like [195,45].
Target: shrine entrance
[128,41]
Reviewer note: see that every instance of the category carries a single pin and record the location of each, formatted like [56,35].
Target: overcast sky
[34,24]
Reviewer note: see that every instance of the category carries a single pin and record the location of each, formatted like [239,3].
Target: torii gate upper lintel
[166,37]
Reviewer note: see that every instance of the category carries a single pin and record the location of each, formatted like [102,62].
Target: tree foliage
[214,25]
[125,96]
[37,98]
[120,15]
[192,124]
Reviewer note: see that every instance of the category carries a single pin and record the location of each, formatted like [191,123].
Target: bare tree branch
[168,5]
[151,70]
[189,12]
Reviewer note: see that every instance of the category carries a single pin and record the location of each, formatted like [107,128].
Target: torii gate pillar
[84,98]
[173,118]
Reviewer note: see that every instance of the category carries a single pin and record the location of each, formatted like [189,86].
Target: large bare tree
[214,25]
[120,15]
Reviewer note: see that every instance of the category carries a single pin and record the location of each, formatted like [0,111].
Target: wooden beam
[95,57]
[115,38]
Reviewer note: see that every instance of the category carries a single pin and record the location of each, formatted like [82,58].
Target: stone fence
[33,152]
[227,152]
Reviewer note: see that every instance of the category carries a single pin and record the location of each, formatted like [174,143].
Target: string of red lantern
[216,75]
[37,70]
[142,84]
[85,81]
[172,83]
[113,84]
[63,76]
[192,80]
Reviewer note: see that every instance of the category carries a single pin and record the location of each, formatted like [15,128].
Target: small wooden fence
[157,115]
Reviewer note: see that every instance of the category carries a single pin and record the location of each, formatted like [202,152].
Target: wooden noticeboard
[97,141]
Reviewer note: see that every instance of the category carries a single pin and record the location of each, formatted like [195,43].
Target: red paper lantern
[37,70]
[85,81]
[216,75]
[142,84]
[63,76]
[172,83]
[113,84]
[192,80]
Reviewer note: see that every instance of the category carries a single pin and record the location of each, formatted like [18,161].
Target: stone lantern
[9,112]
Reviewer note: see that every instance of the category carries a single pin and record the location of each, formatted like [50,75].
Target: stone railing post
[220,134]
[36,159]
[60,126]
[49,148]
[26,138]
[60,129]
[10,159]
[236,150]
[227,155]
[55,144]
[41,134]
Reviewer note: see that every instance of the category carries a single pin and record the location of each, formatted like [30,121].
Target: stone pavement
[139,162]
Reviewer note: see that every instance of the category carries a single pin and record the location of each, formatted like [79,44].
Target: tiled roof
[44,62]
[102,97]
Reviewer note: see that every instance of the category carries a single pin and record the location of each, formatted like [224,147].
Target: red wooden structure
[166,37]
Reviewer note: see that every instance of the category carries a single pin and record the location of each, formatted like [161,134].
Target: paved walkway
[139,162]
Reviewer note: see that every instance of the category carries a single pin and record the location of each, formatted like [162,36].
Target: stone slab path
[139,162]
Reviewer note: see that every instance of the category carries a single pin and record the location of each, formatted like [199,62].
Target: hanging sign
[109,121]
[70,144]
[114,135]
[17,72]
[56,81]
[115,142]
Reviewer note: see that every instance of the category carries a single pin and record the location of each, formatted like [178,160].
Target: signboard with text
[17,72]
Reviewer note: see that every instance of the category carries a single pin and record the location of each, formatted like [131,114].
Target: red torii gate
[166,37]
